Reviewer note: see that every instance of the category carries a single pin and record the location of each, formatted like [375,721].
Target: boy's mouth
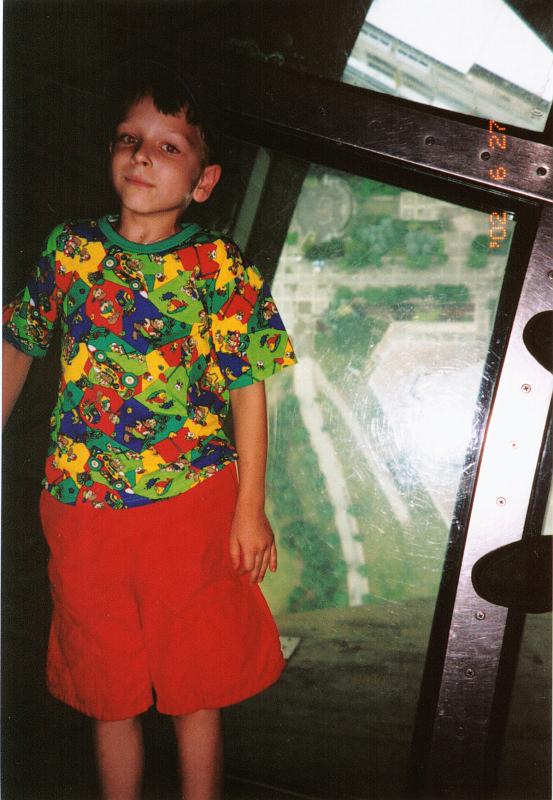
[134,181]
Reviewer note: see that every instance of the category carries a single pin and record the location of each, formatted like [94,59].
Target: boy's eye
[126,138]
[170,148]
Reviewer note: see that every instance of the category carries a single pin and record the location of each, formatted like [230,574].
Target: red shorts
[146,601]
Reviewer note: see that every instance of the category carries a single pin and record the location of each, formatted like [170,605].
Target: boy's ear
[206,184]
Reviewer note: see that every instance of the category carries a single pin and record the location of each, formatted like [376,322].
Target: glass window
[390,297]
[477,57]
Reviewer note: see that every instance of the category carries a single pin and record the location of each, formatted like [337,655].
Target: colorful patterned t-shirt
[153,339]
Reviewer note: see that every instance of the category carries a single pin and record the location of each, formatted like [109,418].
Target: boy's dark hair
[171,93]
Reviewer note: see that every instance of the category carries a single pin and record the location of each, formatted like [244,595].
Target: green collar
[187,231]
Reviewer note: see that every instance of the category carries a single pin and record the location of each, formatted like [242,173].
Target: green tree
[479,251]
[451,293]
[316,251]
[423,249]
[368,239]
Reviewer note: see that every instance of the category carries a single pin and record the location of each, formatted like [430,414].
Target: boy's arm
[252,543]
[15,366]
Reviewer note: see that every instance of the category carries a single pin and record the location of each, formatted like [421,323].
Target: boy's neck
[141,230]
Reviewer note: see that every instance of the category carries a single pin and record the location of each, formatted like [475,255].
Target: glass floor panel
[390,298]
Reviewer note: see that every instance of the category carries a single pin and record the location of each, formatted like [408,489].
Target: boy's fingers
[255,562]
[252,563]
[266,562]
[257,566]
[273,559]
[247,562]
[259,573]
[234,550]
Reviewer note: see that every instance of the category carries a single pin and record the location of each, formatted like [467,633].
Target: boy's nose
[141,153]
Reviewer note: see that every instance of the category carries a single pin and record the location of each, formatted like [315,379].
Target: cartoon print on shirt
[152,343]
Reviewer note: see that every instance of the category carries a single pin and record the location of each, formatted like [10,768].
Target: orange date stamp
[498,221]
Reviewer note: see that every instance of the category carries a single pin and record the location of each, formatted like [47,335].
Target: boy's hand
[252,542]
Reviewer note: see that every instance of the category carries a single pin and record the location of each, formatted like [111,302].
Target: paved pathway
[331,468]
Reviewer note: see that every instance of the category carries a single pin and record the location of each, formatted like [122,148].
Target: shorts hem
[212,701]
[169,709]
[87,710]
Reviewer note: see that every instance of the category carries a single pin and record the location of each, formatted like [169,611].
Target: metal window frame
[458,727]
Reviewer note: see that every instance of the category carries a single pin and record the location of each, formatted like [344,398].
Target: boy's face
[157,163]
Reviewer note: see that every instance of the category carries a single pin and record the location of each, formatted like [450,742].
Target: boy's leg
[200,747]
[120,758]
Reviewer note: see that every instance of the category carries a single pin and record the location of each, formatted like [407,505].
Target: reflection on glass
[390,297]
[477,57]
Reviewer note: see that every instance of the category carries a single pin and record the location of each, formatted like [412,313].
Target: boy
[156,550]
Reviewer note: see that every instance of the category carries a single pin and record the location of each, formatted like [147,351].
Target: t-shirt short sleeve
[28,321]
[249,337]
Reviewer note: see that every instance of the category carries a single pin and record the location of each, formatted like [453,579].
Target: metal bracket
[460,741]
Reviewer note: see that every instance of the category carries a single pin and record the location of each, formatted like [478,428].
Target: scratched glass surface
[477,57]
[390,297]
